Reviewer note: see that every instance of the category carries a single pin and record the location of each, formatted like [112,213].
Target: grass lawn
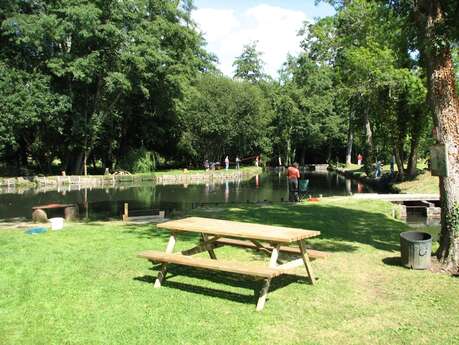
[84,285]
[423,183]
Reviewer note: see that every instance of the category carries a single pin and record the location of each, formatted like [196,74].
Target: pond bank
[424,183]
[381,184]
[161,177]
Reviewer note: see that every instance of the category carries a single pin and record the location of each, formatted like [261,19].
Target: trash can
[416,249]
[56,223]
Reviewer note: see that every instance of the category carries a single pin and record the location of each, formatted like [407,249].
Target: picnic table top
[52,206]
[218,227]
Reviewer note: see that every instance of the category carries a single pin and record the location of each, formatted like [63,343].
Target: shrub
[140,161]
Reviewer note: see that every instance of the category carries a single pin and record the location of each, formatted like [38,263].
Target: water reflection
[99,203]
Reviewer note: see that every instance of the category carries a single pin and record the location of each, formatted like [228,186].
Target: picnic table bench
[216,233]
[70,210]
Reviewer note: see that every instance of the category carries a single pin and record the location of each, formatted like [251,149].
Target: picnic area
[86,285]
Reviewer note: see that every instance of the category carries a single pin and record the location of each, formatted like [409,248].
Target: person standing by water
[226,163]
[378,167]
[238,161]
[293,175]
[257,160]
[359,159]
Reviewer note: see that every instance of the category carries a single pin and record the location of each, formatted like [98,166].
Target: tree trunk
[288,148]
[399,162]
[411,169]
[350,140]
[445,104]
[369,155]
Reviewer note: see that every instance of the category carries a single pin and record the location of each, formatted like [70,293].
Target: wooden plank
[216,265]
[258,246]
[52,206]
[307,264]
[202,247]
[210,250]
[313,254]
[263,294]
[291,264]
[274,256]
[227,228]
[162,272]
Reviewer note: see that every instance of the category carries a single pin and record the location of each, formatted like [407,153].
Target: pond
[96,204]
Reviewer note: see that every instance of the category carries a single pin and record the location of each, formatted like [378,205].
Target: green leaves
[249,65]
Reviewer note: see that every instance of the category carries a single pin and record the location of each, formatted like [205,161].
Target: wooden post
[126,212]
[163,270]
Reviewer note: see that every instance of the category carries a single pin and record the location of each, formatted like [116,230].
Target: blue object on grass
[36,230]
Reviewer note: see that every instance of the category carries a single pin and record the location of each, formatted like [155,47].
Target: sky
[229,25]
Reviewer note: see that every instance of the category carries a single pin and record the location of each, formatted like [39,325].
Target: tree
[225,117]
[31,114]
[436,23]
[126,68]
[249,65]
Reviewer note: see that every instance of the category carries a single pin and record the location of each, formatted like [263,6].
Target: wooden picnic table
[216,233]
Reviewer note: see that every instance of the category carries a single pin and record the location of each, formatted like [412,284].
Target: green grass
[84,285]
[423,183]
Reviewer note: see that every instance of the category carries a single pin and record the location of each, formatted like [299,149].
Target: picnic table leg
[307,263]
[264,290]
[163,270]
[210,250]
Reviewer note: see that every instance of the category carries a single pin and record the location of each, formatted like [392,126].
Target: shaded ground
[84,285]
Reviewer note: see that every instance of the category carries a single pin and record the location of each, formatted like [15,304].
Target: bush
[140,161]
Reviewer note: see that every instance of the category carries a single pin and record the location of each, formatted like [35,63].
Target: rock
[39,216]
[71,213]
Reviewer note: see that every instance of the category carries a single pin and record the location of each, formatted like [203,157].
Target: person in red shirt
[293,175]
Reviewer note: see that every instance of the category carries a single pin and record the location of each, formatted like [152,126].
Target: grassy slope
[84,285]
[423,183]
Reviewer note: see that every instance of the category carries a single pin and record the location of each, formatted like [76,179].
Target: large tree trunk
[445,104]
[350,140]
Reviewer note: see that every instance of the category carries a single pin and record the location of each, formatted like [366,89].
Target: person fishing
[293,175]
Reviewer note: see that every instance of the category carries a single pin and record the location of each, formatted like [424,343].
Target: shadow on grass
[223,278]
[336,224]
[342,229]
[393,261]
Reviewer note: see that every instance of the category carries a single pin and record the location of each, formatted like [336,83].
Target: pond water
[106,203]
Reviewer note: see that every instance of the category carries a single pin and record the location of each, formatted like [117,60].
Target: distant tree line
[130,85]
